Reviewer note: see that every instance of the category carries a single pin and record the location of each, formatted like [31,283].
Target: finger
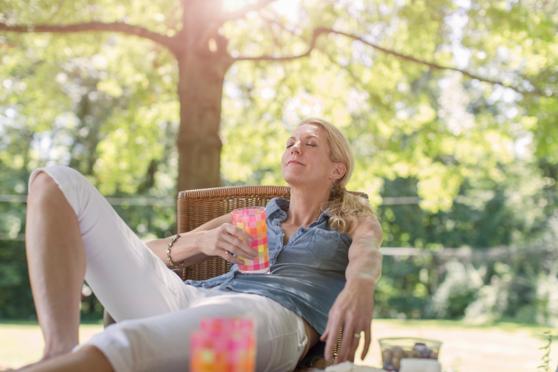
[229,227]
[236,246]
[243,235]
[241,239]
[228,256]
[354,347]
[231,243]
[327,328]
[237,232]
[246,240]
[346,343]
[324,335]
[348,340]
[367,341]
[231,258]
[332,337]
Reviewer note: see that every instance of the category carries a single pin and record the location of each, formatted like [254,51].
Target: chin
[297,179]
[299,182]
[293,180]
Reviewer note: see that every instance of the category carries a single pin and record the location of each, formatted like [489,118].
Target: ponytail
[344,207]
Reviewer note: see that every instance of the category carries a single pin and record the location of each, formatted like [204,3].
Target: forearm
[365,266]
[365,259]
[186,250]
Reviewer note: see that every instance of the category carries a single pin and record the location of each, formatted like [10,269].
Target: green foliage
[15,293]
[405,288]
[518,283]
[457,291]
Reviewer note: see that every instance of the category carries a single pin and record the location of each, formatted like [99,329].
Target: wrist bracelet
[169,247]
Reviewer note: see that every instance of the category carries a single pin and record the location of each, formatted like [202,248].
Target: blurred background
[451,108]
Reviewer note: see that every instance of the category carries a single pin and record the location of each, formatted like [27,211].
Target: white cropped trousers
[155,310]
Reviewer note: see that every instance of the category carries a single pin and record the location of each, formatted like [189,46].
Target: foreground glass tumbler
[223,344]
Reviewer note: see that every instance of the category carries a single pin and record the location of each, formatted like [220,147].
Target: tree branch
[437,66]
[269,58]
[405,57]
[119,27]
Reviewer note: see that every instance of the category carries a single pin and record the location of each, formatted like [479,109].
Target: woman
[324,255]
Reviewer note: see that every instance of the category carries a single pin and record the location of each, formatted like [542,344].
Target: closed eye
[308,144]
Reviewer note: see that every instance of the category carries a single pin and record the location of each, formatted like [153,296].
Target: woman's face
[306,158]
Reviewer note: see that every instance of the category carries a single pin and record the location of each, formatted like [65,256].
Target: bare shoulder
[366,226]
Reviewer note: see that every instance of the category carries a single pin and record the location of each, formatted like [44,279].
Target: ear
[338,171]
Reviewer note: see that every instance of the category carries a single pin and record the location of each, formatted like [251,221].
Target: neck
[305,206]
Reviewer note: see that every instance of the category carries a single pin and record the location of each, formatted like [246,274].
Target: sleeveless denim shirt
[306,274]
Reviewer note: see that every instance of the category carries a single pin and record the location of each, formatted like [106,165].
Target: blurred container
[396,348]
[224,345]
[420,365]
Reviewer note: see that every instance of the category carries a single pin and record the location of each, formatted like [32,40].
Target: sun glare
[234,5]
[286,8]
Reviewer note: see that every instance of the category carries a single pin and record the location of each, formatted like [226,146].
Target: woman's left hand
[352,311]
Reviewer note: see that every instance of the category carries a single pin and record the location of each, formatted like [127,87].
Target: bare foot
[25,367]
[22,368]
[45,357]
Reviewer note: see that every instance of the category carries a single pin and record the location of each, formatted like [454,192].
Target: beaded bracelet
[171,243]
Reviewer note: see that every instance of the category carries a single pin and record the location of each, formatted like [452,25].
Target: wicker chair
[195,207]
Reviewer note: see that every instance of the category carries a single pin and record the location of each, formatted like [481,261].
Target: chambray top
[306,274]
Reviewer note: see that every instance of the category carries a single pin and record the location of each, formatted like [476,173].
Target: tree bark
[203,61]
[200,88]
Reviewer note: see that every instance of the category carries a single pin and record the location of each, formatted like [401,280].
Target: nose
[295,148]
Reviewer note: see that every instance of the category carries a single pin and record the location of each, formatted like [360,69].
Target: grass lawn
[502,347]
[22,342]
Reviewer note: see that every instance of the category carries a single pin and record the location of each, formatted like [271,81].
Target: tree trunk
[200,88]
[203,61]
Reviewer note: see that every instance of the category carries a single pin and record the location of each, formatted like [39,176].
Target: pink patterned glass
[253,221]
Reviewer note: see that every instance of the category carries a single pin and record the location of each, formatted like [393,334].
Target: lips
[294,162]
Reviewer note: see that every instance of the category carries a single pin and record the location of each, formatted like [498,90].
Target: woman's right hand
[227,241]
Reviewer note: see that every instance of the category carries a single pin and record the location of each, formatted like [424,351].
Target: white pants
[156,312]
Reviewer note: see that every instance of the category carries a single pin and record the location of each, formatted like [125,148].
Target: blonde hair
[343,206]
